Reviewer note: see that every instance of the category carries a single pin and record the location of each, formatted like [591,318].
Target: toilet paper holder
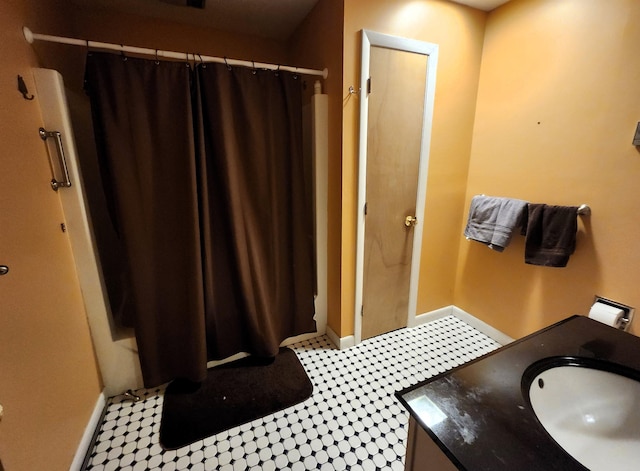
[625,321]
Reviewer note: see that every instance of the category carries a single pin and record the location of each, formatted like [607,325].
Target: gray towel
[492,220]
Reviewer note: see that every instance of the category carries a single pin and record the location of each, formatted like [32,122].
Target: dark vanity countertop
[488,424]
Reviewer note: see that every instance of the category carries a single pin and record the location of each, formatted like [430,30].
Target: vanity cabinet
[422,452]
[479,417]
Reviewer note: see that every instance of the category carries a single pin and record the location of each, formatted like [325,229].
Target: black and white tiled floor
[351,422]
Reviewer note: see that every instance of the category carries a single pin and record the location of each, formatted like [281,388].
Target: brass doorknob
[410,221]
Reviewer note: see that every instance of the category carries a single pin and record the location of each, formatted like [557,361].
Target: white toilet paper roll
[606,314]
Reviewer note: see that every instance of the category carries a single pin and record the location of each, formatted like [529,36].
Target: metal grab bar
[55,184]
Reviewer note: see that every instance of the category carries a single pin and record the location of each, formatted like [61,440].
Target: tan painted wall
[49,381]
[458,31]
[132,30]
[317,43]
[558,104]
[162,34]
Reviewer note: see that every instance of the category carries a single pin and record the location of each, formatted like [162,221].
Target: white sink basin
[594,415]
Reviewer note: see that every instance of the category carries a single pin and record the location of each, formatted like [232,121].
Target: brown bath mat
[231,395]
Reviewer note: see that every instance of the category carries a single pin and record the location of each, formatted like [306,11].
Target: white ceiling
[275,19]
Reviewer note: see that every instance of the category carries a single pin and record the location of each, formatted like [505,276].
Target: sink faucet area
[564,398]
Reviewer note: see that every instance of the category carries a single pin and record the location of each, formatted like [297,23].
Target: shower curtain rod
[31,36]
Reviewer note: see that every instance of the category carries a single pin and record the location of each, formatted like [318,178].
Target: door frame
[373,39]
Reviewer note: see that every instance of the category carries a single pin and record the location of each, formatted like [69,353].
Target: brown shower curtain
[214,214]
[257,212]
[142,113]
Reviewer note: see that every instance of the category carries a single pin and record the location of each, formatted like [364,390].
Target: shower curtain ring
[202,64]
[253,70]
[157,61]
[295,74]
[226,63]
[124,57]
[277,72]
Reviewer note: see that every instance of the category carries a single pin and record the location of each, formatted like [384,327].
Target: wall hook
[22,88]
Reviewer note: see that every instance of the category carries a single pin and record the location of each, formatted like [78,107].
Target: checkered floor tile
[352,421]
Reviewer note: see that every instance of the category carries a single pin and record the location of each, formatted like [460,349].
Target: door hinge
[369,86]
[361,310]
[365,209]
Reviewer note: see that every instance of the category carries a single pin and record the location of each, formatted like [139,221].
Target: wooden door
[395,122]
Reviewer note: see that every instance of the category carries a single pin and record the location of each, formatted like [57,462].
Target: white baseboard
[342,343]
[432,315]
[482,326]
[89,432]
[473,321]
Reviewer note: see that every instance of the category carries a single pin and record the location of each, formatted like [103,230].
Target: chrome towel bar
[62,161]
[584,210]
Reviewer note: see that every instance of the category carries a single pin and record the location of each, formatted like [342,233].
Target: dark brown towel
[550,234]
